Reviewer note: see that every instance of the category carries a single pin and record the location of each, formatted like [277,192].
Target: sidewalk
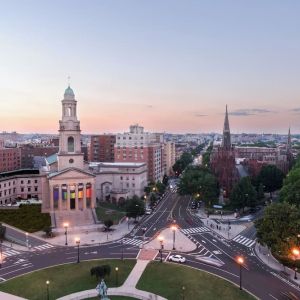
[127,289]
[92,235]
[5,296]
[220,228]
[264,254]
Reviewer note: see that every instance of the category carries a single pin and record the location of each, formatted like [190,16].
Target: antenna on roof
[69,79]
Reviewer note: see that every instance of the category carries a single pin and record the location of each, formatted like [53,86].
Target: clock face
[71,160]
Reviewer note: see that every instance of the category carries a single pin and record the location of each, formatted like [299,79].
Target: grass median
[176,282]
[65,279]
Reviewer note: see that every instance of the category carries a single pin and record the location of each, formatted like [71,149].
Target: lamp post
[296,253]
[77,241]
[161,240]
[298,239]
[47,285]
[240,261]
[116,269]
[66,225]
[27,242]
[174,230]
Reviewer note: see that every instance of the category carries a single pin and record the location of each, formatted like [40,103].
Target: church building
[70,187]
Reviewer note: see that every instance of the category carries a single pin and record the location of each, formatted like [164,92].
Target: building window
[71,144]
[28,181]
[29,189]
[35,181]
[22,189]
[35,188]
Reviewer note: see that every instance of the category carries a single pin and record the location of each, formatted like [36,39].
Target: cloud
[295,110]
[149,106]
[199,115]
[250,112]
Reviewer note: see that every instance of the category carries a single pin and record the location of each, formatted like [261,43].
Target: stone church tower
[69,154]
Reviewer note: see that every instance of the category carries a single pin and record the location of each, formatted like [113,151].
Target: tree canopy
[271,177]
[185,159]
[197,180]
[243,194]
[290,191]
[135,207]
[279,227]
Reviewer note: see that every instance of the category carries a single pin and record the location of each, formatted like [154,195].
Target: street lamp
[240,261]
[174,230]
[27,242]
[47,284]
[116,269]
[298,239]
[77,241]
[296,253]
[66,225]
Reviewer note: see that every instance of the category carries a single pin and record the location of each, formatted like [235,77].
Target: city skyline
[170,67]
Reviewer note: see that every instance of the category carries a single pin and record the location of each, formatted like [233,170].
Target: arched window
[70,144]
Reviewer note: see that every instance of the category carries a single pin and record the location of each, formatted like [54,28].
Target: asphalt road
[257,277]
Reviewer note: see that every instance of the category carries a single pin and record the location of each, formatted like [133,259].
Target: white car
[177,258]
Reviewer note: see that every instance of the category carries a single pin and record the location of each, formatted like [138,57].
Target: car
[148,211]
[177,258]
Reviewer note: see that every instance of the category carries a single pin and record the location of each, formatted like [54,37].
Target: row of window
[14,182]
[130,138]
[13,191]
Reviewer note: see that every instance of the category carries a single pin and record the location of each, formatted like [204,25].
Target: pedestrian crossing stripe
[132,242]
[195,230]
[244,241]
[8,253]
[43,247]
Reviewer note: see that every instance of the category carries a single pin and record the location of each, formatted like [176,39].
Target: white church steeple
[69,154]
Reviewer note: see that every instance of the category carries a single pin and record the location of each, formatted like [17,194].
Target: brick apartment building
[102,148]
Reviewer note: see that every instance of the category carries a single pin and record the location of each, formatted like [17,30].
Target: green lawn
[167,280]
[107,212]
[27,217]
[65,279]
[164,279]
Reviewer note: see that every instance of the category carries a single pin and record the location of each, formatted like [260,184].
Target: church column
[59,197]
[51,198]
[84,196]
[68,196]
[76,196]
[92,196]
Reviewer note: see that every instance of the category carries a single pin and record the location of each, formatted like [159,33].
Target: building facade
[115,182]
[102,148]
[169,153]
[21,185]
[10,159]
[139,146]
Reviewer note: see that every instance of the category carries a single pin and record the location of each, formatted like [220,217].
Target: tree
[152,200]
[2,232]
[185,159]
[100,271]
[290,191]
[271,177]
[165,180]
[135,207]
[198,180]
[108,223]
[279,227]
[243,194]
[160,187]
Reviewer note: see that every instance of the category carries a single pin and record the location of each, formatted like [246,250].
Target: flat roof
[117,164]
[19,172]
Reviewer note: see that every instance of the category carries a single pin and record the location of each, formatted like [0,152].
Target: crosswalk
[244,241]
[43,247]
[133,242]
[194,230]
[11,252]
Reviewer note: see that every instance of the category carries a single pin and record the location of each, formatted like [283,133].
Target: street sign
[218,206]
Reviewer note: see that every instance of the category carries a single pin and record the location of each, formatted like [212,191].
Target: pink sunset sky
[171,66]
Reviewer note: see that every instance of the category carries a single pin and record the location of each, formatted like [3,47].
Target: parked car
[177,258]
